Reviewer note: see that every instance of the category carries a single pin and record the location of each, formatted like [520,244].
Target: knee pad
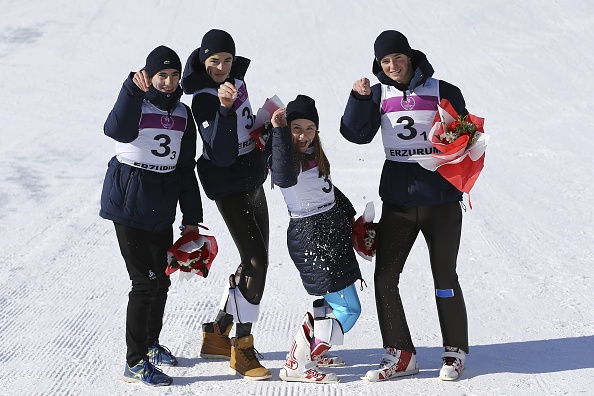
[329,331]
[234,303]
[250,281]
[321,309]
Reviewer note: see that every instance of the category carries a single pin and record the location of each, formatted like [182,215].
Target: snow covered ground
[527,257]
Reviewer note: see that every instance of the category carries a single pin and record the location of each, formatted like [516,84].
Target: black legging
[398,228]
[246,216]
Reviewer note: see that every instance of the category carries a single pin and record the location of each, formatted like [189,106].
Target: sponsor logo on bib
[167,122]
[409,103]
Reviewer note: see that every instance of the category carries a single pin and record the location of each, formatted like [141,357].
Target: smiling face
[218,66]
[398,67]
[166,80]
[303,131]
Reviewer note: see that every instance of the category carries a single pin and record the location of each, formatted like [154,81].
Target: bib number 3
[412,132]
[164,144]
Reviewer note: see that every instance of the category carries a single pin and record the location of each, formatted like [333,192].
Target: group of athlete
[154,170]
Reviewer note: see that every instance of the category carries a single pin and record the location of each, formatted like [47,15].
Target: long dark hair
[318,155]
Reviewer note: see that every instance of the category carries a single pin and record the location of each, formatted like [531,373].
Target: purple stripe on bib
[242,96]
[162,121]
[421,102]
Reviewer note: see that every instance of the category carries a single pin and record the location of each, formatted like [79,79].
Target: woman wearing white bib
[403,106]
[318,238]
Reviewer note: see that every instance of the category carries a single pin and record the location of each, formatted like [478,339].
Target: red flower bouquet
[462,144]
[364,233]
[193,253]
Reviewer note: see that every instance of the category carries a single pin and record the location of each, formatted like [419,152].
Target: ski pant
[246,216]
[145,254]
[398,229]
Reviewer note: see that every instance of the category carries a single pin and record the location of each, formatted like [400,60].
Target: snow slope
[526,261]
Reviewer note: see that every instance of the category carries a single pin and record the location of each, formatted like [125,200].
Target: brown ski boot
[215,344]
[244,359]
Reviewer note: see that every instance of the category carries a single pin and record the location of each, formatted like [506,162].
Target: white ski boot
[327,332]
[395,363]
[453,363]
[328,360]
[299,365]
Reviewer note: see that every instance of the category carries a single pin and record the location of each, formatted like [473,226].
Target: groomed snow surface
[526,260]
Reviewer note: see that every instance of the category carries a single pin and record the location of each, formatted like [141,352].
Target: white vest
[245,118]
[311,195]
[159,139]
[405,124]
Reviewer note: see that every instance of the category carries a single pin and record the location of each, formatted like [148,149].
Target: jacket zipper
[132,172]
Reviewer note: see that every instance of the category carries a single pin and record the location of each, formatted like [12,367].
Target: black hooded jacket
[406,184]
[224,172]
[138,197]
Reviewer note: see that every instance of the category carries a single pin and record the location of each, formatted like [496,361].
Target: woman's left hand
[279,118]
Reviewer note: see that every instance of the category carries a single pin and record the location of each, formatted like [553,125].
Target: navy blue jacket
[141,198]
[225,172]
[319,245]
[402,183]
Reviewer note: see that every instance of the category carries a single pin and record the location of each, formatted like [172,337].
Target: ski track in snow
[526,259]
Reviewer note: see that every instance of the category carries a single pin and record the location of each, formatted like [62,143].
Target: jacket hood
[195,76]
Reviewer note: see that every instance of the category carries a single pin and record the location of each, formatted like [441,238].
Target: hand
[142,80]
[279,118]
[362,87]
[188,228]
[227,94]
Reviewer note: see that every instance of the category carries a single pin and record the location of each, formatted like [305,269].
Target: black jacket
[141,198]
[402,183]
[224,172]
[319,245]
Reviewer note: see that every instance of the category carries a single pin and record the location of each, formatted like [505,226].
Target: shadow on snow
[523,357]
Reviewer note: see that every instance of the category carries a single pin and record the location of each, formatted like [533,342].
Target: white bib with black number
[311,195]
[405,124]
[159,139]
[245,118]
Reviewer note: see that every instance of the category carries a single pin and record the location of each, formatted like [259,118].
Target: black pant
[398,228]
[246,217]
[145,254]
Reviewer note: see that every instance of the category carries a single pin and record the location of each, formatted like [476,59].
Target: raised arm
[122,121]
[362,118]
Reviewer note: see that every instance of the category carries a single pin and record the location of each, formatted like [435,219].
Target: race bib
[405,123]
[159,140]
[245,118]
[311,195]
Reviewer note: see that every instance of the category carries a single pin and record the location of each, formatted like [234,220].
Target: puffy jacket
[142,198]
[402,183]
[222,171]
[320,244]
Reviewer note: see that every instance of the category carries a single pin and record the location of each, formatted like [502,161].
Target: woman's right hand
[227,94]
[362,86]
[279,118]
